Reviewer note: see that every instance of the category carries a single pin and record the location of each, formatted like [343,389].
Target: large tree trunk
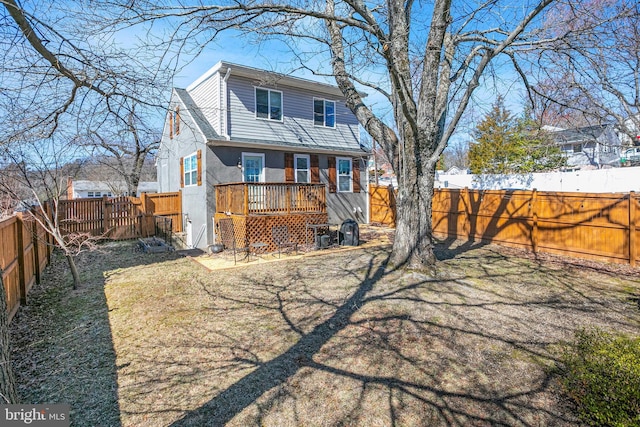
[415,168]
[8,392]
[413,247]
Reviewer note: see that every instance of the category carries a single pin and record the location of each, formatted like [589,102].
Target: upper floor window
[190,167]
[344,167]
[302,169]
[324,113]
[268,104]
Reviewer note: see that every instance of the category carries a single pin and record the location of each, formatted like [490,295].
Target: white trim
[289,148]
[211,71]
[184,170]
[224,128]
[350,160]
[295,167]
[324,112]
[255,104]
[262,172]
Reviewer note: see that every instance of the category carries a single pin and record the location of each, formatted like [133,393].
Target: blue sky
[274,55]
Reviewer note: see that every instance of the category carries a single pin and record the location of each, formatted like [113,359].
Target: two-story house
[244,141]
[590,147]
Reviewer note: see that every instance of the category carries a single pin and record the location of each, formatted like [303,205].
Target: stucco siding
[196,199]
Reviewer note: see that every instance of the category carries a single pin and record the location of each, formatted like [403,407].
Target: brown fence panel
[122,216]
[634,228]
[29,266]
[164,204]
[20,254]
[9,262]
[586,225]
[499,216]
[82,216]
[382,203]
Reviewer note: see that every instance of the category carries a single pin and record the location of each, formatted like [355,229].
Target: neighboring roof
[589,133]
[251,72]
[86,185]
[201,122]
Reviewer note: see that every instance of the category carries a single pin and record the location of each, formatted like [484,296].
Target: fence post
[633,252]
[287,195]
[466,203]
[105,214]
[20,237]
[47,236]
[36,245]
[245,188]
[534,231]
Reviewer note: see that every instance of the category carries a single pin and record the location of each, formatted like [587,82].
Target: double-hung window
[345,174]
[191,170]
[302,168]
[268,104]
[324,113]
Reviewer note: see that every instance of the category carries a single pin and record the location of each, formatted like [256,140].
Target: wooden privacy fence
[119,218]
[25,250]
[602,226]
[382,205]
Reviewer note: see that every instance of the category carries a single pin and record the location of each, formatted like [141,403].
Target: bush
[601,373]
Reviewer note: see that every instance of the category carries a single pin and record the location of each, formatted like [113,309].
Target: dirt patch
[334,339]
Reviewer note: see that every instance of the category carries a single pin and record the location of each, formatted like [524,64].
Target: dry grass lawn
[330,340]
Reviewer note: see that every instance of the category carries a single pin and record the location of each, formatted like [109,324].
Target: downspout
[223,106]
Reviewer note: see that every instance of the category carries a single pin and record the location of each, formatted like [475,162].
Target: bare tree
[431,56]
[588,72]
[122,146]
[38,167]
[456,155]
[63,69]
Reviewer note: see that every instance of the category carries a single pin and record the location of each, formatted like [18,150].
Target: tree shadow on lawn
[398,348]
[62,340]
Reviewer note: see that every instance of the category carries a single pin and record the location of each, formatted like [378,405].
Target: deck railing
[270,198]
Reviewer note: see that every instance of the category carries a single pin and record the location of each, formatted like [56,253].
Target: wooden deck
[258,207]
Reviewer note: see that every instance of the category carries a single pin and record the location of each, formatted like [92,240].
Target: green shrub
[601,373]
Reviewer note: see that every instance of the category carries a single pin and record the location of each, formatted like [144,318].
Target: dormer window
[268,104]
[324,113]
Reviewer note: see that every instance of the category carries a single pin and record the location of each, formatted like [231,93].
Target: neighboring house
[591,147]
[83,188]
[631,125]
[240,124]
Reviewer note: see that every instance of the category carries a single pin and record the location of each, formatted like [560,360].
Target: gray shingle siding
[297,125]
[207,97]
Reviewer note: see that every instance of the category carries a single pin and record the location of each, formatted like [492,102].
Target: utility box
[349,234]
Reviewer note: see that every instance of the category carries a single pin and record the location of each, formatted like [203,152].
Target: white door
[253,171]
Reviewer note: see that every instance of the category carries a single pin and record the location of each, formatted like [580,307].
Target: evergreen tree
[505,144]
